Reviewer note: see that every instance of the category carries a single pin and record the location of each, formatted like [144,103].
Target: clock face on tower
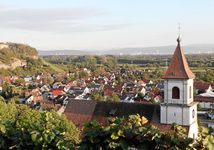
[193,113]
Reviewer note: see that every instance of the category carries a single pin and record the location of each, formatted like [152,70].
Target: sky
[105,24]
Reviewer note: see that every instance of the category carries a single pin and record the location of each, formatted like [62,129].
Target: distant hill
[158,50]
[161,50]
[64,52]
[13,55]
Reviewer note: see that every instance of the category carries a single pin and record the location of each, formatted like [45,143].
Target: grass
[53,66]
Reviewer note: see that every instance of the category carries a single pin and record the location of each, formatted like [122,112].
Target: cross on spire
[179,32]
[179,29]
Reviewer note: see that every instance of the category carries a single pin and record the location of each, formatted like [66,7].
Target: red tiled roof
[118,88]
[37,98]
[203,99]
[78,119]
[79,111]
[88,81]
[141,82]
[201,85]
[56,92]
[179,68]
[108,92]
[146,81]
[166,127]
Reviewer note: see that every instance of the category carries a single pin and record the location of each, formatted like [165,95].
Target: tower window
[190,92]
[193,113]
[175,93]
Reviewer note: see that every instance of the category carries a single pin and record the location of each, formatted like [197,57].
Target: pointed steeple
[179,68]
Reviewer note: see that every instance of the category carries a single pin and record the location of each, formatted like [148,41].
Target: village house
[56,92]
[202,87]
[28,79]
[205,103]
[32,97]
[204,95]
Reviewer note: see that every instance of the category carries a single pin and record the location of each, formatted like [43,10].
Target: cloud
[61,20]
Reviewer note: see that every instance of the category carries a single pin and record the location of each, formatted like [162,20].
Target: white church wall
[163,114]
[174,115]
[171,84]
[193,117]
[171,114]
[179,115]
[183,86]
[189,84]
[193,130]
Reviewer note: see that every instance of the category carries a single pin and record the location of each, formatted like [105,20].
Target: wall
[181,115]
[183,85]
[193,131]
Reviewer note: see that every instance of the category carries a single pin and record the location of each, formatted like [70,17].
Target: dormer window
[175,93]
[173,73]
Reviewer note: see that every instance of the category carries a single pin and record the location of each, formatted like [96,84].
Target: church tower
[178,106]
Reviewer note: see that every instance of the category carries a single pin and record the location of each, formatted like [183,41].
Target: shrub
[24,128]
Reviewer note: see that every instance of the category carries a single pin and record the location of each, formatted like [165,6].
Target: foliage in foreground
[137,133]
[24,128]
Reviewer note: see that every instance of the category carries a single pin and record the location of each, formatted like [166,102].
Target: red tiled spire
[179,68]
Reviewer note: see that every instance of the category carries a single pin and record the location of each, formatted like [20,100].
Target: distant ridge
[64,52]
[158,50]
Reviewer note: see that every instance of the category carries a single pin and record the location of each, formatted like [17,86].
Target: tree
[24,128]
[111,62]
[98,71]
[48,80]
[205,140]
[90,62]
[96,96]
[83,74]
[2,99]
[20,82]
[59,79]
[140,95]
[114,97]
[136,132]
[8,90]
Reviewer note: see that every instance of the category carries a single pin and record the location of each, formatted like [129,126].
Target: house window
[190,92]
[175,93]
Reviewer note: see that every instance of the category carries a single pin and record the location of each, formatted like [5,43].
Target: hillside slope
[13,55]
[20,59]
